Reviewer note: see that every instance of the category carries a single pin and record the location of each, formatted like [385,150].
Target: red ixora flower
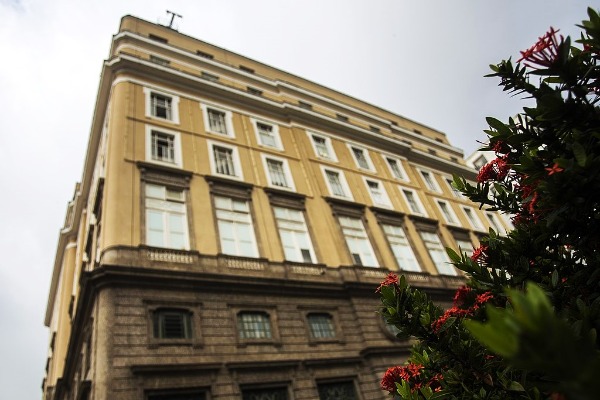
[544,52]
[480,252]
[554,169]
[391,279]
[466,302]
[496,169]
[397,374]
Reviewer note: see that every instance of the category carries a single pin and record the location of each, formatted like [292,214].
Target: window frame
[149,111]
[228,120]
[298,249]
[474,222]
[365,153]
[386,202]
[287,173]
[159,330]
[177,158]
[331,156]
[250,218]
[235,160]
[333,329]
[408,244]
[166,394]
[446,265]
[283,387]
[343,183]
[167,210]
[417,201]
[366,237]
[190,308]
[269,311]
[450,216]
[455,192]
[275,132]
[349,381]
[398,163]
[431,184]
[494,222]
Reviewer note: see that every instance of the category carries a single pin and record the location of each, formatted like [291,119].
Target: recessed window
[403,252]
[177,395]
[322,147]
[494,222]
[166,217]
[163,147]
[378,193]
[305,105]
[429,180]
[464,245]
[455,192]
[236,230]
[161,105]
[374,129]
[246,69]
[336,182]
[204,55]
[473,219]
[172,324]
[267,134]
[337,391]
[396,168]
[361,156]
[159,60]
[225,160]
[321,325]
[254,325]
[341,117]
[158,38]
[447,212]
[296,242]
[437,252]
[278,172]
[358,242]
[414,204]
[254,91]
[209,77]
[217,121]
[279,393]
[479,162]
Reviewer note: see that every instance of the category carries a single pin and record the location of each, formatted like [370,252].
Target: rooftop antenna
[173,15]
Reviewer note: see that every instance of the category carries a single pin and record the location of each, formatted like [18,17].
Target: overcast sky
[422,59]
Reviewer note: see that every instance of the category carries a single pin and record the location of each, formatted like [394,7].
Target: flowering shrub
[525,325]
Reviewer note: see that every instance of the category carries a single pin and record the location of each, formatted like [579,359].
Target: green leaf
[554,278]
[579,153]
[453,255]
[516,387]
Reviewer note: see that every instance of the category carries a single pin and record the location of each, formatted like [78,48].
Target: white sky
[422,59]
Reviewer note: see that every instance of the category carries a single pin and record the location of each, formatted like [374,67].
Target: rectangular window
[403,252]
[265,394]
[337,391]
[178,395]
[236,230]
[494,222]
[413,203]
[224,164]
[159,60]
[172,324]
[216,121]
[437,252]
[429,181]
[362,158]
[254,91]
[358,242]
[163,147]
[267,134]
[254,325]
[447,212]
[341,117]
[322,146]
[160,106]
[166,217]
[337,184]
[396,168]
[321,325]
[277,173]
[293,232]
[305,105]
[455,191]
[209,77]
[464,245]
[378,193]
[473,219]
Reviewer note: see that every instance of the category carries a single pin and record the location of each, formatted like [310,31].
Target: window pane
[401,248]
[321,326]
[337,391]
[265,394]
[254,325]
[357,241]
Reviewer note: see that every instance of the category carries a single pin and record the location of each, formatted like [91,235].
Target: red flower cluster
[463,296]
[495,170]
[391,279]
[480,252]
[544,52]
[554,169]
[500,147]
[408,373]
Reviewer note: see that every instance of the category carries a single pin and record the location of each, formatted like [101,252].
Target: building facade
[231,226]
